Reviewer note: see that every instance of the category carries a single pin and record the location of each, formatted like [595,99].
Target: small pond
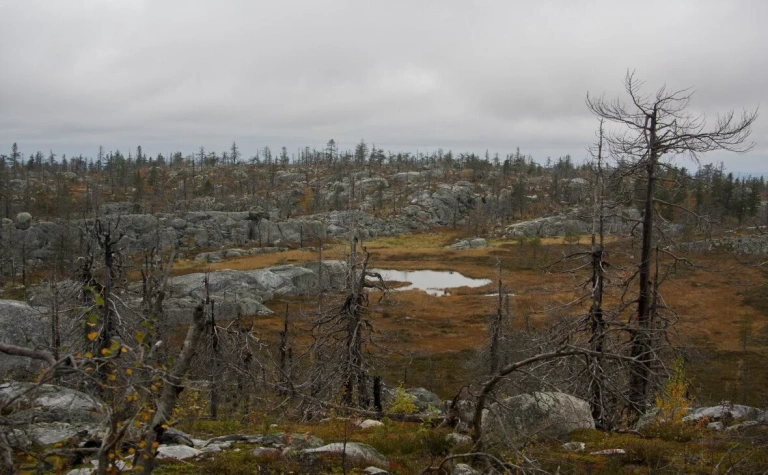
[433,282]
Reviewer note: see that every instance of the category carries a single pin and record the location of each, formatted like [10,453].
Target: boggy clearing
[719,300]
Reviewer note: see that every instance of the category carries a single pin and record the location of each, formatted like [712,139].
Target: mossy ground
[723,317]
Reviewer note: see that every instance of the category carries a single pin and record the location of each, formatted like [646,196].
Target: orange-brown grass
[707,298]
[293,256]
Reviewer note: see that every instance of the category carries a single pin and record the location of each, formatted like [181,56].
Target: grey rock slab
[22,325]
[549,415]
[23,221]
[370,423]
[609,452]
[49,397]
[733,411]
[574,446]
[265,452]
[458,439]
[178,452]
[425,400]
[355,451]
[475,243]
[173,436]
[463,469]
[737,427]
[81,471]
[46,433]
[374,471]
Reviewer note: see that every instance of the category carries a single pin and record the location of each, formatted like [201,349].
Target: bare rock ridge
[42,241]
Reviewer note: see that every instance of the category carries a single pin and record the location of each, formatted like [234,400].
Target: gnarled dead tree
[650,127]
[340,338]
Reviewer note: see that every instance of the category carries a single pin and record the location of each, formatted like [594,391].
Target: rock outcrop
[244,292]
[204,224]
[354,451]
[22,325]
[48,414]
[464,244]
[548,415]
[574,220]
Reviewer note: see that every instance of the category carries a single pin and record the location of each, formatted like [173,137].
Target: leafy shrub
[402,403]
[673,402]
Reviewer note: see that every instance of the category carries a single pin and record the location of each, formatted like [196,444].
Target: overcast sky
[406,75]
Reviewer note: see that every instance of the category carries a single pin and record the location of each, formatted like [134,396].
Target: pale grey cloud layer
[418,74]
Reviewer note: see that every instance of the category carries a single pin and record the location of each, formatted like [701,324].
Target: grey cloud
[404,74]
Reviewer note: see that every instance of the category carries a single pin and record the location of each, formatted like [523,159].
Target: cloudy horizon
[407,76]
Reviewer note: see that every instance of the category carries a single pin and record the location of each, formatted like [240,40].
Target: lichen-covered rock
[354,451]
[69,404]
[475,243]
[549,415]
[178,452]
[50,414]
[724,411]
[23,221]
[425,400]
[370,423]
[22,325]
[575,220]
[458,439]
[463,469]
[173,436]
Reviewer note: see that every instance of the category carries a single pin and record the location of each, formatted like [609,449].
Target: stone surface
[355,451]
[178,452]
[609,452]
[173,436]
[574,446]
[463,469]
[23,221]
[375,471]
[46,433]
[424,399]
[243,292]
[475,243]
[50,414]
[265,452]
[81,471]
[67,404]
[22,325]
[574,220]
[370,423]
[458,439]
[545,415]
[737,427]
[724,411]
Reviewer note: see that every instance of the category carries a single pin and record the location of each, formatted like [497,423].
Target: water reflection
[433,282]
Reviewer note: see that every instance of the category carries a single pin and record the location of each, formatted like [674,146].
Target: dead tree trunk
[597,322]
[145,457]
[498,329]
[286,355]
[641,337]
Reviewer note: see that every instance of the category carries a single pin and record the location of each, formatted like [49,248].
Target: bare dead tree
[650,127]
[597,322]
[107,237]
[487,387]
[340,337]
[286,353]
[499,326]
[145,458]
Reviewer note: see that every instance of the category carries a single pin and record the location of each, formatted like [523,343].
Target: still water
[433,282]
